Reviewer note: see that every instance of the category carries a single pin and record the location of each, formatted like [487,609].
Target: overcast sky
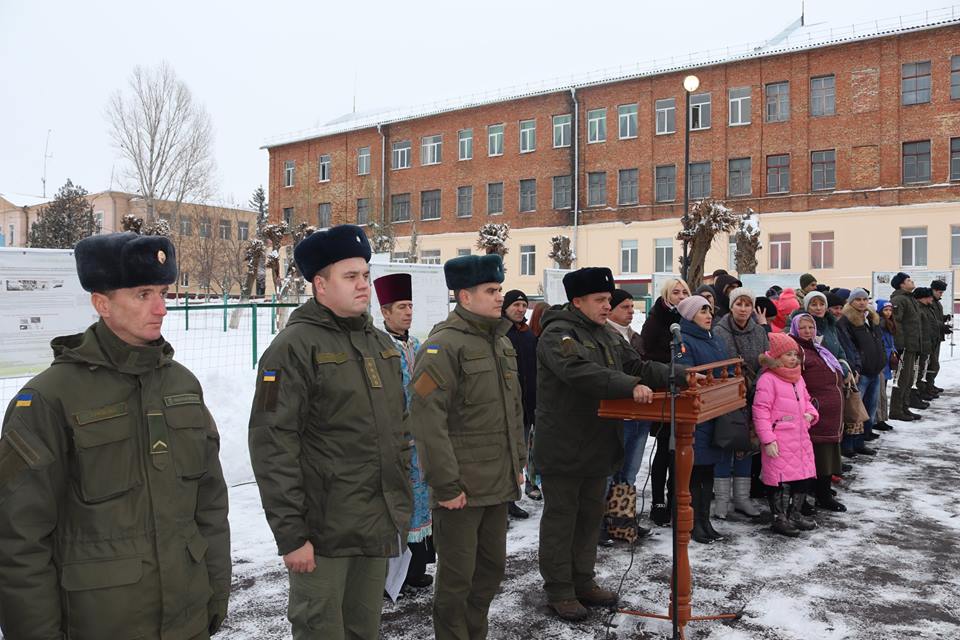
[263,69]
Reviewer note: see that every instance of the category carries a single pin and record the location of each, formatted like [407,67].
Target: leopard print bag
[621,514]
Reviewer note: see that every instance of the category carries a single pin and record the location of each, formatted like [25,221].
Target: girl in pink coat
[782,417]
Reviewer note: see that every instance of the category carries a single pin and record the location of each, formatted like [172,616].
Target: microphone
[675,330]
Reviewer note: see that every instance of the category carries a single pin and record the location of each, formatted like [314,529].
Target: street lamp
[690,84]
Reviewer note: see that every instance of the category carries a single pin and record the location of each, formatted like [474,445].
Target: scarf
[822,351]
[787,375]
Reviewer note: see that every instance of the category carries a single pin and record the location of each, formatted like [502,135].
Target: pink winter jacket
[778,408]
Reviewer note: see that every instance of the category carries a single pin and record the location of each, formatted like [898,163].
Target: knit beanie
[810,297]
[780,343]
[741,292]
[619,296]
[512,296]
[806,280]
[859,292]
[688,307]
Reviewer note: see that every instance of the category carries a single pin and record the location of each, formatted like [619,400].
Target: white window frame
[289,166]
[185,279]
[562,125]
[776,249]
[224,229]
[363,161]
[465,144]
[431,150]
[627,120]
[914,239]
[665,110]
[663,255]
[818,248]
[495,140]
[739,105]
[400,155]
[186,225]
[98,220]
[243,230]
[704,104]
[400,257]
[528,259]
[629,249]
[430,256]
[597,125]
[528,136]
[323,167]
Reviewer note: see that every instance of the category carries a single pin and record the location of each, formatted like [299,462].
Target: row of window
[205,227]
[915,88]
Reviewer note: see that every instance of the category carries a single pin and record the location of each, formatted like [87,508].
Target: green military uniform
[467,417]
[579,363]
[331,458]
[932,320]
[939,337]
[908,341]
[113,508]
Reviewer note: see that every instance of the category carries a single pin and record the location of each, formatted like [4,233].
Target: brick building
[846,144]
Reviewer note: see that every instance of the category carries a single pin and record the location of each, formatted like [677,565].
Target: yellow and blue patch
[269,376]
[433,349]
[24,400]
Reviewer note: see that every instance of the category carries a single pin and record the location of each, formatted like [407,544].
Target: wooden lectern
[700,401]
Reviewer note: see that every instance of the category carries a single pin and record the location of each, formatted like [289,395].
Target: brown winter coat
[825,388]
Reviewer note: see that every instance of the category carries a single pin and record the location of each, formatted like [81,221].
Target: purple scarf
[828,357]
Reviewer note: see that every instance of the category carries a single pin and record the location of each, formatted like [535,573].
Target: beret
[124,260]
[393,287]
[469,271]
[587,280]
[323,248]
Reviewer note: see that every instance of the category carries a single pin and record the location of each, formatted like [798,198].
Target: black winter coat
[525,344]
[862,341]
[655,334]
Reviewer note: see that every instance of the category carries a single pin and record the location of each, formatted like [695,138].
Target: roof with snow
[798,36]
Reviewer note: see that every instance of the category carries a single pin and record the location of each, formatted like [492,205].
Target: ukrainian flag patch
[24,399]
[433,349]
[269,376]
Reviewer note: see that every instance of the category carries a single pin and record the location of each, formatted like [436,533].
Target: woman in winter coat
[888,332]
[743,336]
[815,305]
[701,346]
[787,303]
[783,415]
[823,375]
[655,345]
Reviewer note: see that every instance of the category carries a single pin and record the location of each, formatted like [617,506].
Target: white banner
[882,288]
[553,291]
[40,299]
[431,298]
[759,283]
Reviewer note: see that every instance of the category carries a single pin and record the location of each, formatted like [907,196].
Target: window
[739,106]
[627,117]
[699,180]
[778,102]
[779,250]
[288,173]
[562,188]
[430,150]
[495,140]
[663,255]
[323,168]
[823,168]
[464,202]
[186,226]
[287,216]
[913,247]
[205,226]
[401,154]
[463,252]
[400,207]
[494,198]
[732,255]
[955,78]
[628,256]
[627,186]
[738,180]
[666,115]
[699,112]
[916,162]
[778,174]
[98,221]
[363,211]
[528,136]
[528,195]
[465,144]
[955,158]
[224,229]
[823,98]
[528,260]
[666,188]
[363,161]
[954,245]
[596,125]
[402,257]
[821,250]
[430,256]
[561,131]
[324,215]
[596,189]
[430,204]
[915,83]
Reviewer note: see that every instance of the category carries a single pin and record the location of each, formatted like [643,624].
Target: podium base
[668,618]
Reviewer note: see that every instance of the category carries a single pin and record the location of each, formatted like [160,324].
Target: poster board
[553,291]
[759,283]
[40,299]
[431,298]
[657,283]
[881,288]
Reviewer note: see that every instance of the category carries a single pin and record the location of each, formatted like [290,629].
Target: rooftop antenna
[46,155]
[354,91]
[803,13]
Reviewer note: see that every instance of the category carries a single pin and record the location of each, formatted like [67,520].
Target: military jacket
[327,437]
[113,508]
[467,411]
[906,311]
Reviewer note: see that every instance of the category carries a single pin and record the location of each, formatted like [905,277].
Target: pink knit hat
[780,343]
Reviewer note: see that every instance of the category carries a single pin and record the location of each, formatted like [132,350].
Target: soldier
[908,341]
[328,447]
[113,508]
[932,320]
[944,329]
[467,417]
[580,363]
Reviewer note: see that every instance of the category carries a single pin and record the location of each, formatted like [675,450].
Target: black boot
[779,500]
[795,514]
[824,498]
[882,426]
[699,533]
[516,511]
[707,496]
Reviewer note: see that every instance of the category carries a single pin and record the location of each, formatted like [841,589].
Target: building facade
[848,150]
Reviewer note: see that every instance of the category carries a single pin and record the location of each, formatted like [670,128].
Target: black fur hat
[587,280]
[469,271]
[938,285]
[124,260]
[898,279]
[322,248]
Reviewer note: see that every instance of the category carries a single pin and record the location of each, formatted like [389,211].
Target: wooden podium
[698,402]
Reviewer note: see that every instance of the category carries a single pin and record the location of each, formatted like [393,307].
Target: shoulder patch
[24,400]
[424,385]
[568,346]
[432,349]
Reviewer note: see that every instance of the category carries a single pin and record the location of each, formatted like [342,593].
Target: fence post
[253,326]
[225,311]
[186,312]
[273,315]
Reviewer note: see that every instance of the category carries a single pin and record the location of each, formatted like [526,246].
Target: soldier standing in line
[328,446]
[944,329]
[908,341]
[467,417]
[581,363]
[113,508]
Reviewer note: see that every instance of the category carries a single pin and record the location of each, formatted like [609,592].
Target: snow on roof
[23,199]
[796,37]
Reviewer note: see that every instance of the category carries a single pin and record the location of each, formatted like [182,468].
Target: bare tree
[561,252]
[164,136]
[707,218]
[748,245]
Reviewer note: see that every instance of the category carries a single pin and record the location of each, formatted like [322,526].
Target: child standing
[782,417]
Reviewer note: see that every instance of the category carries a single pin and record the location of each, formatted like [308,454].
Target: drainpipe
[383,175]
[576,172]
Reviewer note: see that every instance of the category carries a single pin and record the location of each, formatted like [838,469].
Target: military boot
[570,610]
[779,500]
[597,596]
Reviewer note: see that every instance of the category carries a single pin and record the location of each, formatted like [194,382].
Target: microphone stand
[672,385]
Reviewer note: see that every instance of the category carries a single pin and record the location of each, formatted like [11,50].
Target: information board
[759,283]
[431,298]
[882,289]
[553,291]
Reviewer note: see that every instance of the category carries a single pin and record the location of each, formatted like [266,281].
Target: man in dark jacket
[945,329]
[932,320]
[906,313]
[859,331]
[328,444]
[467,415]
[580,363]
[515,305]
[113,508]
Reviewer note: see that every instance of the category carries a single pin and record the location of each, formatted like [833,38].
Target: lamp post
[690,84]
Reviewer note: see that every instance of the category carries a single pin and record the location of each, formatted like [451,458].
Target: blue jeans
[635,434]
[731,464]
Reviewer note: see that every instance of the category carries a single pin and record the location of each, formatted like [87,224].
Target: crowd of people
[376,455]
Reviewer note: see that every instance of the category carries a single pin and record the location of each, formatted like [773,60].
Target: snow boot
[795,513]
[699,533]
[721,497]
[779,500]
[824,499]
[707,525]
[741,498]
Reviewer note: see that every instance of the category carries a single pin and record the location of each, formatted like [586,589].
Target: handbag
[731,431]
[854,413]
